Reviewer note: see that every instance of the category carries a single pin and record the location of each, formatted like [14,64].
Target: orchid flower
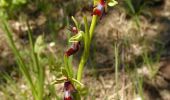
[73,49]
[75,40]
[68,90]
[101,6]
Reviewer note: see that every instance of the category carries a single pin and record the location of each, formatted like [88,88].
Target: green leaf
[130,6]
[112,3]
[77,37]
[39,44]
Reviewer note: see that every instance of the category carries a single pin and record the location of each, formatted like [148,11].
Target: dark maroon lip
[73,49]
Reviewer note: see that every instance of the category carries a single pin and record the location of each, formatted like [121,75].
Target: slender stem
[93,25]
[86,50]
[81,66]
[116,68]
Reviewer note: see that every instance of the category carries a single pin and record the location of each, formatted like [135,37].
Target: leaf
[130,6]
[39,44]
[77,37]
[112,3]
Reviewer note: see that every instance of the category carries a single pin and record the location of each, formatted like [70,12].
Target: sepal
[112,3]
[76,38]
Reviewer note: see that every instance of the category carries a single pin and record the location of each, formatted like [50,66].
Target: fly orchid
[68,90]
[73,49]
[70,93]
[75,40]
[99,8]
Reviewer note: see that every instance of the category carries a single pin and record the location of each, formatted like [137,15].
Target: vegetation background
[129,56]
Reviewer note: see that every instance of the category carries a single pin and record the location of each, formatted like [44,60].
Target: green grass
[36,84]
[10,87]
[134,9]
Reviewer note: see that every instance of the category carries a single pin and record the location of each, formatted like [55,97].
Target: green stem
[81,66]
[93,25]
[86,50]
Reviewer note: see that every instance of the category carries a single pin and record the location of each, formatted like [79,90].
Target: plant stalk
[86,50]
